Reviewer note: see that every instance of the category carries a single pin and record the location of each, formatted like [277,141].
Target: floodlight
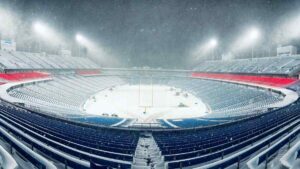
[79,38]
[46,33]
[212,43]
[205,48]
[246,40]
[253,34]
[40,27]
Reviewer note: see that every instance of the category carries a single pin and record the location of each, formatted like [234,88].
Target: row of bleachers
[108,147]
[284,65]
[197,122]
[224,99]
[227,98]
[256,79]
[24,60]
[197,147]
[59,93]
[180,148]
[108,121]
[272,155]
[115,147]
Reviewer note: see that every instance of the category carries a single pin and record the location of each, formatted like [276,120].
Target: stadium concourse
[76,114]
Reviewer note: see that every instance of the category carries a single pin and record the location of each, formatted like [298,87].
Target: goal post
[146,92]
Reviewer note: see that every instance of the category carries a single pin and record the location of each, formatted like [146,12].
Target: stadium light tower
[79,38]
[206,47]
[94,49]
[247,40]
[212,44]
[88,44]
[44,32]
[253,35]
[82,41]
[289,29]
[40,28]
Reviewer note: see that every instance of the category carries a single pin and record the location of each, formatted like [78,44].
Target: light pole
[253,35]
[83,44]
[46,33]
[212,45]
[252,52]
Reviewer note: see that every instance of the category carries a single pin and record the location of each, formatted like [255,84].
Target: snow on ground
[146,103]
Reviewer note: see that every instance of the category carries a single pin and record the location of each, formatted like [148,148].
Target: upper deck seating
[285,65]
[29,61]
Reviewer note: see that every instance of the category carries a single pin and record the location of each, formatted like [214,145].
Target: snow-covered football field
[146,103]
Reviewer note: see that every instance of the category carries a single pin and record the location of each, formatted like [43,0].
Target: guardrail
[289,158]
[8,162]
[36,159]
[263,157]
[237,157]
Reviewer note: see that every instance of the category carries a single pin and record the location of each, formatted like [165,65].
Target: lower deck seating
[223,99]
[104,146]
[261,159]
[108,121]
[58,96]
[200,122]
[196,147]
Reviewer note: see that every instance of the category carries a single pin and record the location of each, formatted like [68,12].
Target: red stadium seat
[263,80]
[23,75]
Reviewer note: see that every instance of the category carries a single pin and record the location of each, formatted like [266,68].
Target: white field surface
[145,103]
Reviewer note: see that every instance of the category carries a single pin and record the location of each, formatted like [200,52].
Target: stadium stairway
[147,154]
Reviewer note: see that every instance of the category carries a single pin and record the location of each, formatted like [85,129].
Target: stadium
[66,104]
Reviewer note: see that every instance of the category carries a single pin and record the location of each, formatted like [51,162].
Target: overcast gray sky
[155,33]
